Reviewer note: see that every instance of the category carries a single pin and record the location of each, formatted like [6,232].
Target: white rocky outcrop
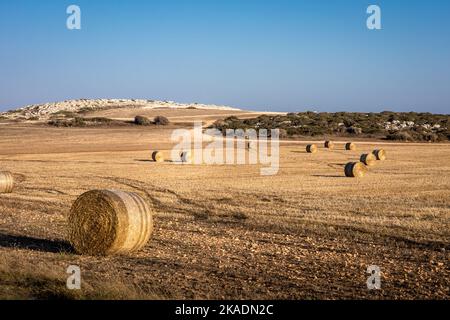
[43,111]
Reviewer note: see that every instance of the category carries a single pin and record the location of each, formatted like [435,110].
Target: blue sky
[264,55]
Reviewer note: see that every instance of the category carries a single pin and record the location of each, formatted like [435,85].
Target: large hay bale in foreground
[157,156]
[329,144]
[380,154]
[104,222]
[186,157]
[368,159]
[355,169]
[350,146]
[311,148]
[6,182]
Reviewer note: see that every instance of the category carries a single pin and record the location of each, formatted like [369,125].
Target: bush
[64,113]
[84,122]
[349,122]
[100,120]
[354,130]
[142,121]
[160,120]
[402,136]
[430,137]
[78,122]
[283,134]
[410,126]
[85,110]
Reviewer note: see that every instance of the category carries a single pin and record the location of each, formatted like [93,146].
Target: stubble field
[226,232]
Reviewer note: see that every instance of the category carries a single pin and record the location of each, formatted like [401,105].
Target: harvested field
[225,231]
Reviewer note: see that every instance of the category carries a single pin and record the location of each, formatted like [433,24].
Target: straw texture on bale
[185,156]
[329,144]
[350,146]
[380,154]
[355,169]
[368,159]
[157,156]
[105,222]
[6,182]
[311,148]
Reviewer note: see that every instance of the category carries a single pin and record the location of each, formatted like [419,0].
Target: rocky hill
[45,111]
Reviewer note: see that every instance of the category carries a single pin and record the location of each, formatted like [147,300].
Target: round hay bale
[350,146]
[250,145]
[355,169]
[157,156]
[311,148]
[380,154]
[6,182]
[104,222]
[368,159]
[186,156]
[329,144]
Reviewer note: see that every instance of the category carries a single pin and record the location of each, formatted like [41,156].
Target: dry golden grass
[24,277]
[225,231]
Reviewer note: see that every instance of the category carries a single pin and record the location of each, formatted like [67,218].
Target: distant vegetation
[85,122]
[385,125]
[69,119]
[161,120]
[144,121]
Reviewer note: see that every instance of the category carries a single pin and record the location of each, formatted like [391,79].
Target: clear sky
[275,55]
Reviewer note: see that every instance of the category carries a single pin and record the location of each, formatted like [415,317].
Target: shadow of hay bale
[152,161]
[327,176]
[35,244]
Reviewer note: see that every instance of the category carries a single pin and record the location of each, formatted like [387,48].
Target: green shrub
[419,126]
